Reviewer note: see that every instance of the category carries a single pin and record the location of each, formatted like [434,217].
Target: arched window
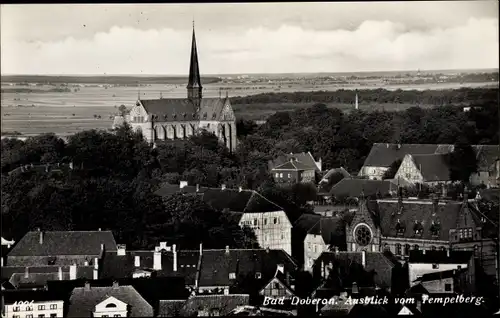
[111,305]
[398,249]
[386,247]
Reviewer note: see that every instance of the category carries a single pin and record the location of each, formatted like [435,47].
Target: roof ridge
[268,200]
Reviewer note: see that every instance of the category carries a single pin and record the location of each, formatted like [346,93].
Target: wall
[485,251]
[285,176]
[276,289]
[419,269]
[270,234]
[374,173]
[408,171]
[438,286]
[36,309]
[314,245]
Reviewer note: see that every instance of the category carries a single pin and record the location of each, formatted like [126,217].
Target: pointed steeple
[194,87]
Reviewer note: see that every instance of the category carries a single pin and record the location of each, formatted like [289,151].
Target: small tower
[194,88]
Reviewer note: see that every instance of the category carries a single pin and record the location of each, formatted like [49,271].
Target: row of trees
[463,96]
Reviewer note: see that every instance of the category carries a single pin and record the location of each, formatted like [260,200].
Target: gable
[273,282]
[138,110]
[408,170]
[111,304]
[227,112]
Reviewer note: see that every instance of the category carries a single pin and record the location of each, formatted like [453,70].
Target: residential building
[382,155]
[442,282]
[203,305]
[271,224]
[60,248]
[113,301]
[40,304]
[167,119]
[424,169]
[295,168]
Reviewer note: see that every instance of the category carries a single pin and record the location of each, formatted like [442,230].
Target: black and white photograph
[307,159]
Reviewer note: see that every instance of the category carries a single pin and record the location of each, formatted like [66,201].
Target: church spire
[194,87]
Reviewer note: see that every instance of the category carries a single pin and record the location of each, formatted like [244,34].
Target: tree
[122,110]
[393,169]
[463,162]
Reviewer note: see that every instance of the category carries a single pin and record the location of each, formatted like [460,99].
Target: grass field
[44,110]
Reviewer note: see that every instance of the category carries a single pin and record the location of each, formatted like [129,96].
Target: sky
[93,39]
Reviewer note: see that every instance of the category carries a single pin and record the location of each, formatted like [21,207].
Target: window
[255,222]
[416,247]
[16,316]
[111,305]
[16,309]
[363,235]
[275,220]
[53,315]
[41,307]
[277,174]
[265,221]
[315,248]
[276,286]
[309,246]
[258,275]
[41,316]
[398,249]
[29,308]
[232,275]
[289,175]
[447,287]
[435,266]
[281,175]
[104,316]
[443,248]
[282,236]
[53,306]
[117,315]
[407,249]
[29,316]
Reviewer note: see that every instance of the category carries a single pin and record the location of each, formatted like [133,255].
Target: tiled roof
[183,109]
[123,266]
[57,243]
[217,265]
[81,271]
[423,212]
[440,257]
[234,200]
[305,158]
[294,165]
[224,304]
[340,170]
[332,229]
[82,302]
[432,167]
[383,155]
[355,187]
[10,297]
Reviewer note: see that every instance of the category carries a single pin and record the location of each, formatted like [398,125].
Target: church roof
[194,69]
[432,167]
[184,109]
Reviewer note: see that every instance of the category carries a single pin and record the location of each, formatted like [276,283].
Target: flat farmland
[32,110]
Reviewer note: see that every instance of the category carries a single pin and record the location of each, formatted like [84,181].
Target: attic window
[184,115]
[418,228]
[400,228]
[165,116]
[194,115]
[258,275]
[174,116]
[435,228]
[232,275]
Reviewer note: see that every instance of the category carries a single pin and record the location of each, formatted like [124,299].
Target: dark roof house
[356,187]
[304,161]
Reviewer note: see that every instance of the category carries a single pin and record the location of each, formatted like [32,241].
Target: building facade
[170,119]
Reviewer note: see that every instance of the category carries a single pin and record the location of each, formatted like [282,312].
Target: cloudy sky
[249,38]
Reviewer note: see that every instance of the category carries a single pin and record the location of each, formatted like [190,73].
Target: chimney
[72,272]
[115,284]
[96,274]
[223,187]
[174,248]
[41,236]
[121,249]
[281,268]
[447,253]
[355,288]
[183,184]
[240,189]
[99,229]
[157,261]
[87,286]
[137,261]
[96,263]
[363,259]
[26,272]
[197,188]
[201,248]
[60,273]
[71,165]
[267,249]
[423,251]
[102,247]
[227,249]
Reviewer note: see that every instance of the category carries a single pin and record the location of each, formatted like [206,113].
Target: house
[17,304]
[271,224]
[113,301]
[331,178]
[442,282]
[202,305]
[60,248]
[295,168]
[351,188]
[424,169]
[322,234]
[382,155]
[362,269]
[427,262]
[168,119]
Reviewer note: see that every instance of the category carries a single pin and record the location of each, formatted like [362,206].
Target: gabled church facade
[178,118]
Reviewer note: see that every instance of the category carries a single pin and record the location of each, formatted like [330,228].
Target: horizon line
[257,73]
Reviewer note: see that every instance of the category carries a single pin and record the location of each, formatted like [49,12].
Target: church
[178,118]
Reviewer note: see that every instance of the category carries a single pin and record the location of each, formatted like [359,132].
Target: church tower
[194,88]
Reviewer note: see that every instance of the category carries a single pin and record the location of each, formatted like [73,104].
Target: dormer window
[418,228]
[184,115]
[194,115]
[174,116]
[204,115]
[232,275]
[435,228]
[258,275]
[400,228]
[165,116]
[214,115]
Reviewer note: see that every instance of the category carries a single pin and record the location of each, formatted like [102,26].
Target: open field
[66,110]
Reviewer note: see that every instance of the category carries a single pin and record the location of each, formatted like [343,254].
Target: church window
[433,248]
[281,175]
[400,228]
[398,249]
[363,235]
